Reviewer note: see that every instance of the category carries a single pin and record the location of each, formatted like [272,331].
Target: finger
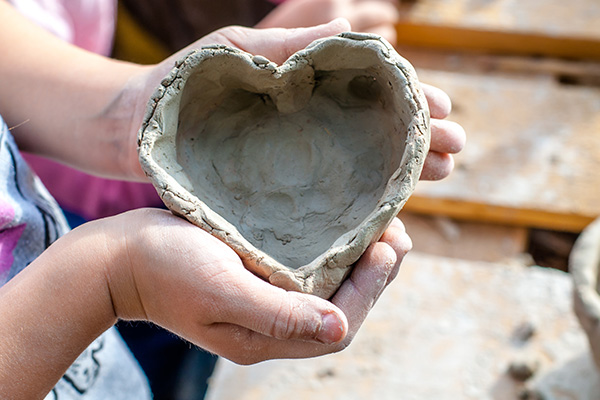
[398,224]
[397,238]
[276,44]
[360,291]
[388,32]
[373,13]
[447,136]
[245,346]
[261,307]
[437,166]
[299,38]
[439,102]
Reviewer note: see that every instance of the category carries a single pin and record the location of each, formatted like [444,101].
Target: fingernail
[332,329]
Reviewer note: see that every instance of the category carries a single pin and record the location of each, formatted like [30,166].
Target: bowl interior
[295,165]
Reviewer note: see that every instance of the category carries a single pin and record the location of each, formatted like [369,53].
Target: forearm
[67,103]
[51,311]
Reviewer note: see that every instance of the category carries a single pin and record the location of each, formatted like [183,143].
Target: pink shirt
[89,24]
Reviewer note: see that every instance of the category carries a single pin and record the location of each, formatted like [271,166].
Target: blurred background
[482,307]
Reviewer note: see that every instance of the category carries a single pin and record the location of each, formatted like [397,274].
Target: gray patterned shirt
[30,220]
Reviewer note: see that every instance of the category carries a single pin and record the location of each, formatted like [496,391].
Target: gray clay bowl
[298,167]
[584,265]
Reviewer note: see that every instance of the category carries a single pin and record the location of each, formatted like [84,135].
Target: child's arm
[56,95]
[151,265]
[51,311]
[85,110]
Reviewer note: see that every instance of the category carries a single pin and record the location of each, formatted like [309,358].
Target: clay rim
[398,188]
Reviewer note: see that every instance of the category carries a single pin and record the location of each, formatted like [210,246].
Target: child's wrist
[118,271]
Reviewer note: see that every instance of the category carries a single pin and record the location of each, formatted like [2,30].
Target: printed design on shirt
[51,230]
[9,237]
[83,373]
[52,395]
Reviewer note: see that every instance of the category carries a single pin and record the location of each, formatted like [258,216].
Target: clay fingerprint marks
[289,186]
[316,163]
[298,167]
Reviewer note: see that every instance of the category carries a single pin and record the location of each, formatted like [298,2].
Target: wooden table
[525,81]
[445,329]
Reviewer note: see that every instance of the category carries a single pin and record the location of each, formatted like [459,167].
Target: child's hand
[151,265]
[374,16]
[189,282]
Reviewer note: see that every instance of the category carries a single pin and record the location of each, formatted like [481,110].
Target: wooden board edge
[473,211]
[496,42]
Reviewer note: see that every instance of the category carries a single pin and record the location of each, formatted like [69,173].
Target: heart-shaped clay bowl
[298,167]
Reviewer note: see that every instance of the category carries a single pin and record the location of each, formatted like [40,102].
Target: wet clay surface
[293,182]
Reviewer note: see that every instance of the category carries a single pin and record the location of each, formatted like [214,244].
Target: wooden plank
[583,73]
[477,40]
[443,236]
[497,214]
[532,155]
[444,329]
[535,27]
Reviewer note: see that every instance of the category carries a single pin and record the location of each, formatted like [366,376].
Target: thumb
[276,44]
[284,315]
[306,317]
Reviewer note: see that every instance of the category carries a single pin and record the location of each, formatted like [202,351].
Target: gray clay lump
[297,167]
